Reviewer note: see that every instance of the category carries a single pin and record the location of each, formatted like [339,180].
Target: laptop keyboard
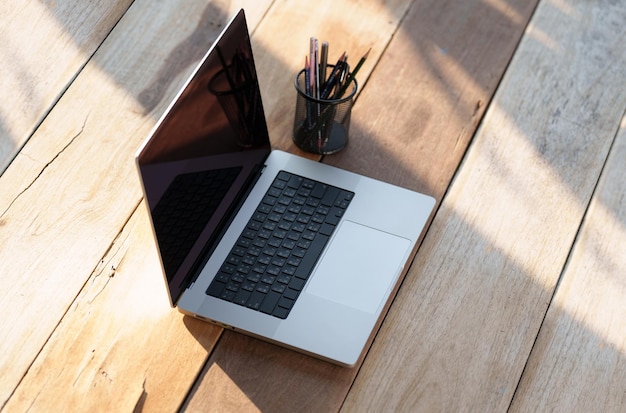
[274,256]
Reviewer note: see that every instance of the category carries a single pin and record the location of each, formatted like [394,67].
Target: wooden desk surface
[510,113]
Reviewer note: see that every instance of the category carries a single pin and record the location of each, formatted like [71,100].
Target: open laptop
[263,242]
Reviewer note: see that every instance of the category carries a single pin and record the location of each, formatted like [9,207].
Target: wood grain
[44,46]
[582,346]
[464,322]
[119,345]
[430,90]
[274,379]
[326,385]
[72,188]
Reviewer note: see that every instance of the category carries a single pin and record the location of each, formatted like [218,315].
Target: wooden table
[510,113]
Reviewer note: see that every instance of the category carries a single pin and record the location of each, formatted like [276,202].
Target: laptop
[263,242]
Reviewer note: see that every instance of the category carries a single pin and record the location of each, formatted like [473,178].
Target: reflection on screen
[204,154]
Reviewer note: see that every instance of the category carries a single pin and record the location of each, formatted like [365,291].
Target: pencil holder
[321,125]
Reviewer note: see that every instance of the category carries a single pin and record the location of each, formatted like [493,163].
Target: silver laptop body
[214,131]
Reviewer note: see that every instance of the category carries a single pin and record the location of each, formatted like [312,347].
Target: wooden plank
[459,333]
[44,46]
[246,374]
[73,186]
[119,346]
[228,380]
[582,346]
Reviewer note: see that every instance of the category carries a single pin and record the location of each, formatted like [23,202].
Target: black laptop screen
[204,154]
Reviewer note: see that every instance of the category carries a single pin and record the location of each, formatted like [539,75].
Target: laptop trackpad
[359,266]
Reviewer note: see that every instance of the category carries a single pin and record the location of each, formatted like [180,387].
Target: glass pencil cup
[321,125]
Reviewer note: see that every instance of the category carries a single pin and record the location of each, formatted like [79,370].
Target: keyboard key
[228,268]
[238,277]
[311,256]
[308,184]
[248,285]
[255,277]
[274,192]
[308,210]
[270,301]
[259,216]
[231,286]
[268,279]
[295,181]
[255,300]
[318,190]
[289,244]
[297,284]
[278,261]
[244,242]
[227,295]
[294,261]
[241,297]
[215,289]
[327,229]
[233,260]
[243,268]
[279,184]
[330,196]
[239,251]
[291,294]
[285,303]
[269,200]
[269,250]
[273,270]
[289,270]
[283,279]
[249,233]
[281,312]
[264,259]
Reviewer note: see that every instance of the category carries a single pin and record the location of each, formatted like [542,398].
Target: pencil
[307,91]
[312,63]
[323,63]
[352,75]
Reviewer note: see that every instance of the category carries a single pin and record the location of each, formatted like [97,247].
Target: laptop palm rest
[359,267]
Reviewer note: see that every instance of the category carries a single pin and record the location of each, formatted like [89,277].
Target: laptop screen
[204,155]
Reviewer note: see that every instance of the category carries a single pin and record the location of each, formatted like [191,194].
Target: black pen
[342,80]
[353,74]
[323,63]
[332,79]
